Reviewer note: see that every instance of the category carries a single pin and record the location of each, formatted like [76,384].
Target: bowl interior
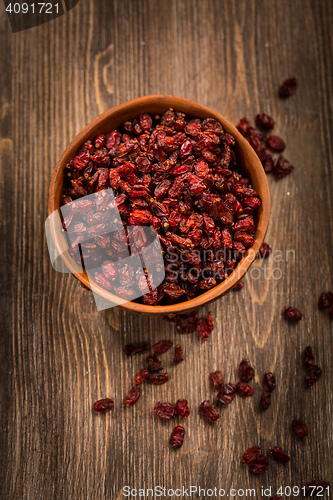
[111,119]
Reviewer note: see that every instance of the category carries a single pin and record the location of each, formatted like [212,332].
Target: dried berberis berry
[246,372]
[239,285]
[130,349]
[325,300]
[309,359]
[154,364]
[244,390]
[216,379]
[313,374]
[288,87]
[103,405]
[282,167]
[279,454]
[209,412]
[159,378]
[299,428]
[292,314]
[182,408]
[133,395]
[275,143]
[265,250]
[269,381]
[316,487]
[251,454]
[165,410]
[203,329]
[226,394]
[179,354]
[177,436]
[260,465]
[141,376]
[265,400]
[162,346]
[186,323]
[264,121]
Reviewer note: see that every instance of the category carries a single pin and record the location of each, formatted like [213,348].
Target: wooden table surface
[58,354]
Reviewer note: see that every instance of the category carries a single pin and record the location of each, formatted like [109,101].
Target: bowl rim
[178,103]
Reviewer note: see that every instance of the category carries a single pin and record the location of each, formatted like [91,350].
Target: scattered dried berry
[186,323]
[226,394]
[103,405]
[269,381]
[279,454]
[265,250]
[239,285]
[159,378]
[316,487]
[309,359]
[141,376]
[209,412]
[260,465]
[216,379]
[133,395]
[165,410]
[265,400]
[154,364]
[162,346]
[177,436]
[299,428]
[246,372]
[179,355]
[313,374]
[182,408]
[203,329]
[288,87]
[251,455]
[275,143]
[281,167]
[325,300]
[244,390]
[264,121]
[130,349]
[292,314]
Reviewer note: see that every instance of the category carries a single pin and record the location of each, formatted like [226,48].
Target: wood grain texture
[58,355]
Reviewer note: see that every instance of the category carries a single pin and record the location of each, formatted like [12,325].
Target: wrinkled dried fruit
[260,465]
[203,329]
[312,375]
[177,436]
[279,454]
[325,300]
[275,143]
[162,346]
[246,372]
[141,376]
[226,394]
[309,359]
[179,354]
[216,379]
[244,390]
[209,412]
[182,408]
[264,121]
[292,314]
[265,250]
[316,487]
[251,455]
[159,378]
[269,381]
[103,405]
[265,400]
[165,410]
[281,167]
[288,87]
[138,347]
[154,364]
[132,396]
[299,428]
[239,285]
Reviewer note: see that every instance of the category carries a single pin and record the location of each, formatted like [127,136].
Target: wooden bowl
[157,104]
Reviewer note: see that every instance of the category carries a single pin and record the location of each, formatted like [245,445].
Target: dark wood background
[58,354]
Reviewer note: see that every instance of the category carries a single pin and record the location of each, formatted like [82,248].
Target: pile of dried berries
[176,174]
[265,145]
[188,323]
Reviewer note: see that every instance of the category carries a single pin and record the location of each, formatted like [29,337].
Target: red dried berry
[186,323]
[292,314]
[288,87]
[265,250]
[216,379]
[132,396]
[159,378]
[251,455]
[265,400]
[179,355]
[299,428]
[260,465]
[103,405]
[279,454]
[162,346]
[209,412]
[210,321]
[138,347]
[177,436]
[246,372]
[312,375]
[203,329]
[275,143]
[165,410]
[182,408]
[269,381]
[309,359]
[281,167]
[264,121]
[325,300]
[239,285]
[316,487]
[141,376]
[226,394]
[154,364]
[244,390]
